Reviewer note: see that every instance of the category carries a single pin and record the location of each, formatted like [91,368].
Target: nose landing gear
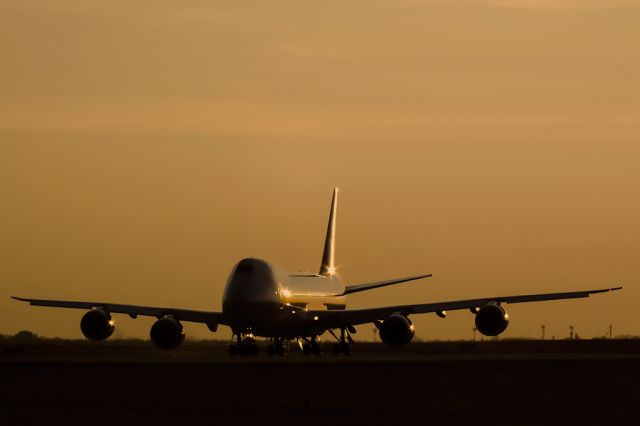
[245,345]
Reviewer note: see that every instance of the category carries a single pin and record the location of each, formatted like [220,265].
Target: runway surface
[102,385]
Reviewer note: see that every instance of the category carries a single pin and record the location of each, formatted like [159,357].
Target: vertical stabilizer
[328,256]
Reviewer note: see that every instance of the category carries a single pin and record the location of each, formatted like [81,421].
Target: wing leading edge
[211,319]
[327,319]
[336,319]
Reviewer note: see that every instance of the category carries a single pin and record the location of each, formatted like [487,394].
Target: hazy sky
[147,146]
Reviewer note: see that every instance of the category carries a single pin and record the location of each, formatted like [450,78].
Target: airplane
[263,300]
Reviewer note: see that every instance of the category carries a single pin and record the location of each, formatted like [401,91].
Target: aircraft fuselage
[265,300]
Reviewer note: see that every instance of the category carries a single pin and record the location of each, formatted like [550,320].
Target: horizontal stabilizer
[368,286]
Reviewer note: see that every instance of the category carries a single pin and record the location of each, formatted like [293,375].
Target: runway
[100,387]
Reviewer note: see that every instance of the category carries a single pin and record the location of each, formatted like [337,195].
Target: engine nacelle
[97,325]
[397,330]
[492,320]
[167,333]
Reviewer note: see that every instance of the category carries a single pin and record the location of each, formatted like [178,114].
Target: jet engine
[397,330]
[97,325]
[166,333]
[492,320]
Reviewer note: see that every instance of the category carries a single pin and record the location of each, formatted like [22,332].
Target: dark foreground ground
[515,383]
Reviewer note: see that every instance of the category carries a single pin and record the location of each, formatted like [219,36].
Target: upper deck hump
[294,283]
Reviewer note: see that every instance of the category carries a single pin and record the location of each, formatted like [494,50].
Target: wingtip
[21,299]
[616,288]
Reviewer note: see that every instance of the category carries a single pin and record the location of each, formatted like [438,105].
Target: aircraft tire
[233,350]
[306,349]
[316,348]
[342,348]
[281,349]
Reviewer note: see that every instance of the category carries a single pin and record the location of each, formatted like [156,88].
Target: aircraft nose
[252,281]
[250,291]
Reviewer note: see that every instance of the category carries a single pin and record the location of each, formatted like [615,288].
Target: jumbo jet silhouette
[262,299]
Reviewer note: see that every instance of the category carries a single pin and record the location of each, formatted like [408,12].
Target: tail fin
[328,256]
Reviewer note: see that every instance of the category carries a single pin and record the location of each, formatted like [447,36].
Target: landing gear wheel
[346,349]
[245,345]
[316,348]
[342,348]
[233,350]
[249,349]
[307,349]
[253,349]
[344,341]
[281,347]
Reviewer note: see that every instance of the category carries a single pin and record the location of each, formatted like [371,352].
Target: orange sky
[145,148]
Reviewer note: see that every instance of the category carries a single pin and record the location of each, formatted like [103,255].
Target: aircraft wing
[212,319]
[337,318]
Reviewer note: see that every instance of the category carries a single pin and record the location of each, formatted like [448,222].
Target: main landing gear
[278,347]
[245,345]
[344,341]
[310,346]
